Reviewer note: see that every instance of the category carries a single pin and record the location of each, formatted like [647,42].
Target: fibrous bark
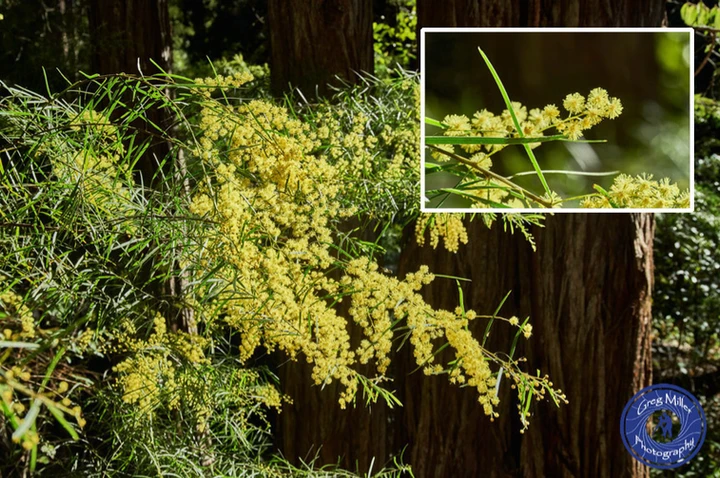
[587,291]
[315,42]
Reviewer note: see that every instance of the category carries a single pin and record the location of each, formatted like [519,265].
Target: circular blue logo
[663,426]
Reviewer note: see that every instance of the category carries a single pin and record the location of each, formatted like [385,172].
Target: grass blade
[515,120]
[489,140]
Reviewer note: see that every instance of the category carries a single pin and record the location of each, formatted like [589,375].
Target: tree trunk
[126,35]
[587,290]
[540,13]
[314,41]
[133,36]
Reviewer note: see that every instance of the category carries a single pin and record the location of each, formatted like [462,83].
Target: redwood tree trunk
[540,13]
[587,290]
[133,36]
[314,41]
[126,35]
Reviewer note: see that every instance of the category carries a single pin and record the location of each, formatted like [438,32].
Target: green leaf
[437,123]
[689,13]
[712,14]
[18,345]
[27,421]
[509,106]
[60,417]
[432,167]
[703,14]
[490,322]
[486,140]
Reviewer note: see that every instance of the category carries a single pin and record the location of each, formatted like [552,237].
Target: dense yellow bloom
[438,156]
[482,160]
[274,194]
[640,192]
[574,103]
[15,317]
[550,112]
[458,125]
[447,226]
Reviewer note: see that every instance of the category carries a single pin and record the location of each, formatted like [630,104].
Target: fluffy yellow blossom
[458,125]
[598,100]
[574,103]
[550,113]
[640,192]
[482,160]
[438,156]
[15,316]
[447,226]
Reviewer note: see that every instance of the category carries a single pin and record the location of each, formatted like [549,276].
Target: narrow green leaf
[437,123]
[18,345]
[27,421]
[517,336]
[60,417]
[486,140]
[509,106]
[444,276]
[490,322]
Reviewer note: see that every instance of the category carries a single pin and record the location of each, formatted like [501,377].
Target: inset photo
[562,120]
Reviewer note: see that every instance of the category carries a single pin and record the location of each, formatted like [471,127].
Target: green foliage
[700,15]
[487,134]
[394,38]
[39,37]
[686,321]
[168,292]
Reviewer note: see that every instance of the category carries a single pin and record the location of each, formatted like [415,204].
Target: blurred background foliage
[647,71]
[686,301]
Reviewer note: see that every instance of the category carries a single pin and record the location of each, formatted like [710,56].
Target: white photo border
[426,30]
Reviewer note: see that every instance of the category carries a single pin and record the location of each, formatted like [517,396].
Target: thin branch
[490,174]
[707,29]
[709,53]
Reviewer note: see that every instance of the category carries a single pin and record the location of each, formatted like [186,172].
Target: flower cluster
[375,155]
[20,386]
[170,371]
[640,192]
[448,226]
[16,318]
[581,114]
[275,189]
[586,113]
